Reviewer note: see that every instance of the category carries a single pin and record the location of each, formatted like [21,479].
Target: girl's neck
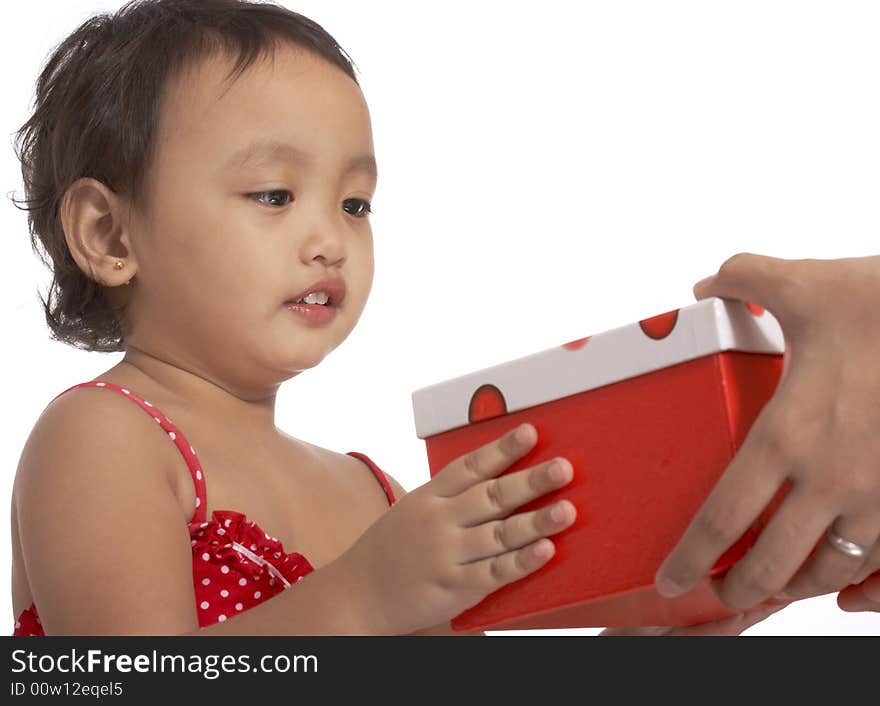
[253,413]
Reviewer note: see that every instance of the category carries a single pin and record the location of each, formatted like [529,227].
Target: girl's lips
[313,313]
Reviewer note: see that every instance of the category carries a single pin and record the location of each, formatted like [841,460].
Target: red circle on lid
[660,326]
[487,402]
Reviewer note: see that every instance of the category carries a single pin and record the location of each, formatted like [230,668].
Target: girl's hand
[446,545]
[728,626]
[818,433]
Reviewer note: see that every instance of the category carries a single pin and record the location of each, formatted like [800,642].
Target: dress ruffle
[229,539]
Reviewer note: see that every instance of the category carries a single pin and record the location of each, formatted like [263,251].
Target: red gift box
[649,415]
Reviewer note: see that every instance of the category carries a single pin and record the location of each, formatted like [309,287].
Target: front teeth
[314,298]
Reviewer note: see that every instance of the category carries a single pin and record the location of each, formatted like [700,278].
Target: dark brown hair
[98,102]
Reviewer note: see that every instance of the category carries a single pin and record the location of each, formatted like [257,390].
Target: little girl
[199,176]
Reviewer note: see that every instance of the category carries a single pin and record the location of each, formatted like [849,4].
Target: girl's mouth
[313,313]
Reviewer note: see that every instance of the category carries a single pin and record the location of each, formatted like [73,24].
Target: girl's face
[229,240]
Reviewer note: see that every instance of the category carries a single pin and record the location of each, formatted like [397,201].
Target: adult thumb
[757,279]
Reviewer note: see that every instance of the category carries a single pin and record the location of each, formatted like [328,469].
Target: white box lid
[709,326]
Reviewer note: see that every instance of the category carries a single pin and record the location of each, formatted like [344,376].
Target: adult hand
[863,596]
[728,626]
[819,432]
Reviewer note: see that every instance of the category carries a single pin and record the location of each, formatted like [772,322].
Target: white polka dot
[242,582]
[147,403]
[221,531]
[158,421]
[203,525]
[215,542]
[238,606]
[253,547]
[224,593]
[257,594]
[299,579]
[204,605]
[99,384]
[277,554]
[125,392]
[205,582]
[271,582]
[198,501]
[206,556]
[227,522]
[193,542]
[172,435]
[267,536]
[224,569]
[221,617]
[199,477]
[193,450]
[18,624]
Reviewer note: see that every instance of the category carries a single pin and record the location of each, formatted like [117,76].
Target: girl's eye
[363,211]
[361,207]
[273,193]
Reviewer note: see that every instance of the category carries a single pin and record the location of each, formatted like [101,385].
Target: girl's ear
[96,233]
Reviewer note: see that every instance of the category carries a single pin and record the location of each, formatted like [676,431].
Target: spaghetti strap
[376,472]
[186,450]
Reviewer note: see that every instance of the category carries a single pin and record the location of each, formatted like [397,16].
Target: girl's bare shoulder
[86,428]
[355,469]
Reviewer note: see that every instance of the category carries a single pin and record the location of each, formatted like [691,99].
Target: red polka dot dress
[235,564]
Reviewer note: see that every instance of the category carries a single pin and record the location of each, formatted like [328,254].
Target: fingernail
[559,470]
[559,512]
[704,281]
[524,434]
[667,587]
[543,549]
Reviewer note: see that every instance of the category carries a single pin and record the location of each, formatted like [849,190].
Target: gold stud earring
[119,265]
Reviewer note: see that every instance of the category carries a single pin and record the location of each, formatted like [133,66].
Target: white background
[547,171]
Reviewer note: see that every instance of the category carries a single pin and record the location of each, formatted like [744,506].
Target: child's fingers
[491,574]
[483,463]
[498,497]
[494,538]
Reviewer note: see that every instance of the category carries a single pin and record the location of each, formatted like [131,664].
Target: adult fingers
[493,538]
[498,497]
[738,498]
[754,278]
[790,535]
[645,631]
[872,565]
[733,625]
[485,462]
[864,596]
[830,569]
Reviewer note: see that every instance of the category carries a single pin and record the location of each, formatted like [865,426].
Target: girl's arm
[104,546]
